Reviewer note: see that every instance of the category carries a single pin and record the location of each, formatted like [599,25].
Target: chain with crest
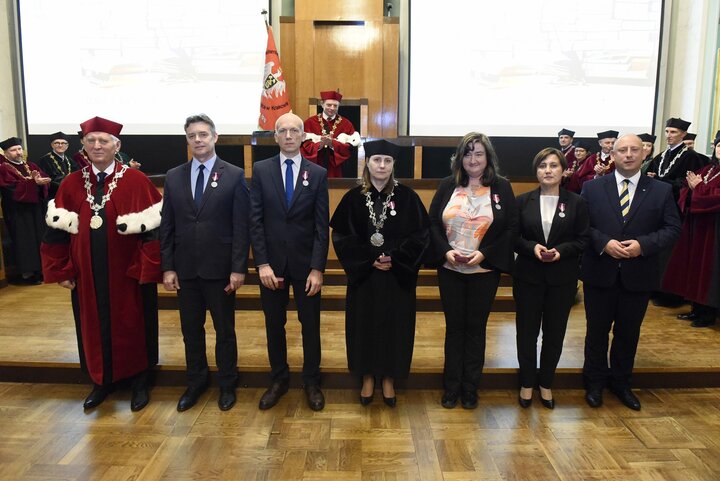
[111,187]
[377,239]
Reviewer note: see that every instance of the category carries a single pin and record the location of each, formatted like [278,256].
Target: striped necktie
[625,199]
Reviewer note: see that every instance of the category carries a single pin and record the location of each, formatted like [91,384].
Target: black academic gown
[380,305]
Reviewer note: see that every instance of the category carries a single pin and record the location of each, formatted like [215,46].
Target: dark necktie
[289,185]
[625,199]
[199,185]
[100,189]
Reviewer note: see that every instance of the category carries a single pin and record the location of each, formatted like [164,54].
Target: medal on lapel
[393,212]
[305,177]
[215,178]
[496,199]
[561,208]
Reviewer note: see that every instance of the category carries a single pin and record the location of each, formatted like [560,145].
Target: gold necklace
[57,166]
[96,221]
[25,167]
[322,125]
[707,177]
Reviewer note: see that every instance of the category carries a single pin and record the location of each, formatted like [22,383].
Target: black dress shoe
[390,401]
[469,400]
[366,400]
[190,397]
[273,395]
[524,403]
[548,403]
[140,397]
[315,398]
[703,321]
[449,399]
[687,316]
[97,396]
[594,398]
[227,398]
[627,397]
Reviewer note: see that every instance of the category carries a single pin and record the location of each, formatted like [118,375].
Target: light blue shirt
[195,170]
[295,167]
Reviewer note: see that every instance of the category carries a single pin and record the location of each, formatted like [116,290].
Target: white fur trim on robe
[139,222]
[63,219]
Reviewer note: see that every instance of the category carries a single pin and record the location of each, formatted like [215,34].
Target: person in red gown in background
[329,136]
[597,164]
[102,244]
[23,188]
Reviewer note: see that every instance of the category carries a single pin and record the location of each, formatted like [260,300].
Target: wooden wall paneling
[333,10]
[391,54]
[374,77]
[417,162]
[304,62]
[287,59]
[248,160]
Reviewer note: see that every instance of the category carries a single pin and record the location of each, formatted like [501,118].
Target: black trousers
[539,305]
[196,296]
[467,300]
[622,311]
[275,305]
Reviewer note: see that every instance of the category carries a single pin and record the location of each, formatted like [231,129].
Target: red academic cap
[99,124]
[331,95]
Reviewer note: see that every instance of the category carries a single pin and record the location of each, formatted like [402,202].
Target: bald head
[627,153]
[289,134]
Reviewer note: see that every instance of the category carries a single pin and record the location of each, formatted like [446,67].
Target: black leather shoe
[524,403]
[687,316]
[627,397]
[315,398]
[449,399]
[366,400]
[97,396]
[594,398]
[703,321]
[548,403]
[140,397]
[227,398]
[469,400]
[190,397]
[273,395]
[390,401]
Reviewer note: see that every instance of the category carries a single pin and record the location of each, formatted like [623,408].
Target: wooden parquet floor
[36,327]
[45,435]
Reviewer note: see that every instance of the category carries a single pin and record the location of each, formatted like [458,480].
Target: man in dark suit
[289,233]
[204,245]
[632,219]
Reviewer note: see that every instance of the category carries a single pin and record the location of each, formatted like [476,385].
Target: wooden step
[333,299]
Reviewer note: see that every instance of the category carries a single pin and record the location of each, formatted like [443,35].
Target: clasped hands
[473,259]
[626,249]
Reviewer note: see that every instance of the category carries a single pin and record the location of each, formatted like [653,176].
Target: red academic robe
[331,159]
[81,159]
[587,172]
[693,268]
[130,269]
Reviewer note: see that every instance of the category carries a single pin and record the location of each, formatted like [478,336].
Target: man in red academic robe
[102,245]
[598,164]
[23,186]
[329,136]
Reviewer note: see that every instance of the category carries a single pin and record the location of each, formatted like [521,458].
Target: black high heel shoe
[366,400]
[389,401]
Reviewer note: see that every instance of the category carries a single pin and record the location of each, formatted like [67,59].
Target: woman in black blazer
[473,224]
[554,228]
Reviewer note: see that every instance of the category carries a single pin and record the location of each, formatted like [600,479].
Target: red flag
[274,99]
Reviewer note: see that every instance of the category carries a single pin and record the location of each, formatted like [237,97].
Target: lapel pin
[393,212]
[215,178]
[305,178]
[496,199]
[561,207]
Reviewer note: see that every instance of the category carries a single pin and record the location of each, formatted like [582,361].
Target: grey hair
[193,119]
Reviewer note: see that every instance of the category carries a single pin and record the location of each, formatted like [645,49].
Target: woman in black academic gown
[553,230]
[380,232]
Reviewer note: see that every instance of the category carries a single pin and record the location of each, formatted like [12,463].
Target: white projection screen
[145,63]
[527,68]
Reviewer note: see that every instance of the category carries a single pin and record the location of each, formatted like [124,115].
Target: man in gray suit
[289,232]
[204,246]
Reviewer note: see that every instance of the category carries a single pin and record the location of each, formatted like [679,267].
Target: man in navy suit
[289,233]
[632,219]
[204,243]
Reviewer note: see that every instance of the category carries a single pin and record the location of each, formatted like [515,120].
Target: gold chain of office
[322,125]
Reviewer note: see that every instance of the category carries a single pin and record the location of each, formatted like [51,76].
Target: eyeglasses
[60,142]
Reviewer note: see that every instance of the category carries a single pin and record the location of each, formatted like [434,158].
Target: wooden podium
[348,46]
